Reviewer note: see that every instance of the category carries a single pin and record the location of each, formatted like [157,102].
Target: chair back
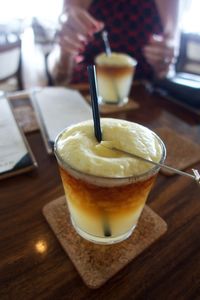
[10,57]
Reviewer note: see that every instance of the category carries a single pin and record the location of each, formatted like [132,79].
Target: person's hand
[77,28]
[160,54]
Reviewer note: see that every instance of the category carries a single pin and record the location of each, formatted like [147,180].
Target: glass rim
[147,174]
[134,61]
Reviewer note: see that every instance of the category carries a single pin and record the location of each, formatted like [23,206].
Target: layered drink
[106,189]
[114,76]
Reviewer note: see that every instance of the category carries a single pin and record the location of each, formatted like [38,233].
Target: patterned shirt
[129,23]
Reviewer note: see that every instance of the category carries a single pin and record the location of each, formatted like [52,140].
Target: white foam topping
[115,59]
[78,147]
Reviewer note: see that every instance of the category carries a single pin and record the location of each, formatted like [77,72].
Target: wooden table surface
[34,266]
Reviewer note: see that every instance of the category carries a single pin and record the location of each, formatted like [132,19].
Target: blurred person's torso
[130,25]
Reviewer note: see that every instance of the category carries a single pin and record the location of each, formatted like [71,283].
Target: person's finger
[80,21]
[156,62]
[160,70]
[155,39]
[78,26]
[161,74]
[69,46]
[164,40]
[75,38]
[161,52]
[91,22]
[154,59]
[71,23]
[157,65]
[161,67]
[69,49]
[66,42]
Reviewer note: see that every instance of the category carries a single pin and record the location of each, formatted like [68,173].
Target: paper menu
[56,108]
[15,155]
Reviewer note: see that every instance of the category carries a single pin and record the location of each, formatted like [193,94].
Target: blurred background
[36,21]
[19,13]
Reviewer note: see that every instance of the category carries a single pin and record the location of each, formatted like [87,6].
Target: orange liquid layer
[114,201]
[114,71]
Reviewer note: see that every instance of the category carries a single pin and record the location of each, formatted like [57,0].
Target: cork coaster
[98,263]
[25,117]
[112,108]
[181,151]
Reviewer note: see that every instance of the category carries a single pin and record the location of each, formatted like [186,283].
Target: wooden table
[33,264]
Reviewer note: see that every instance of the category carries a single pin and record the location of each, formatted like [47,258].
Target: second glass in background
[115,74]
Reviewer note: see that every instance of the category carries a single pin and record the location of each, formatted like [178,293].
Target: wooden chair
[10,58]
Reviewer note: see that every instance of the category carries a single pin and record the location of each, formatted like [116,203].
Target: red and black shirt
[129,23]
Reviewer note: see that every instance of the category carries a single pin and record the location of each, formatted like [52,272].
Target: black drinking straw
[94,101]
[97,125]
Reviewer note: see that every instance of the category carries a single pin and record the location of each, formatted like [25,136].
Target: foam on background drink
[106,190]
[115,75]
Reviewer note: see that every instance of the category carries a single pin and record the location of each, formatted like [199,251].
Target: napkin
[57,108]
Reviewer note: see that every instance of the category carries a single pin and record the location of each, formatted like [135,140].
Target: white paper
[60,107]
[12,146]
